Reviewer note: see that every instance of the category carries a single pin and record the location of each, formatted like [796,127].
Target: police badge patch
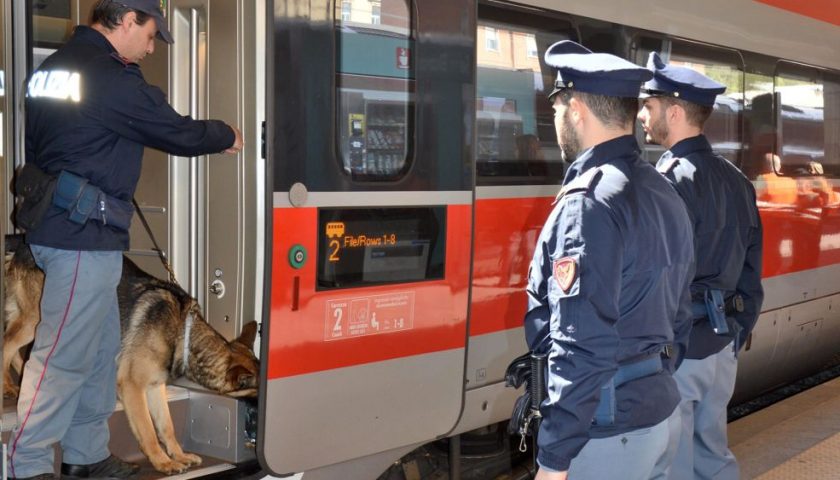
[565,272]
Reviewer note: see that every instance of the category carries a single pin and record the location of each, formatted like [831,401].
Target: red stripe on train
[300,341]
[799,236]
[825,10]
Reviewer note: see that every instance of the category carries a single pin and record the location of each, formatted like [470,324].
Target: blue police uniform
[721,203]
[89,113]
[101,136]
[607,292]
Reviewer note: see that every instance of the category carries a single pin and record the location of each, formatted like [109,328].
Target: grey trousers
[68,389]
[630,456]
[705,386]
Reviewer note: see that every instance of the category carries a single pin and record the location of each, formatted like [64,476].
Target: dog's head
[243,372]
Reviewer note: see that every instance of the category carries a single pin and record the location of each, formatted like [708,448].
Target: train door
[201,209]
[369,134]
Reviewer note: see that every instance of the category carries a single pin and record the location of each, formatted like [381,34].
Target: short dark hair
[695,114]
[611,111]
[110,13]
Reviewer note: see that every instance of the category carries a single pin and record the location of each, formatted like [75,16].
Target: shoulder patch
[668,165]
[581,184]
[565,272]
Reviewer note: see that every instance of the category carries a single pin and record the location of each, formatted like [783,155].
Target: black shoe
[43,476]
[111,467]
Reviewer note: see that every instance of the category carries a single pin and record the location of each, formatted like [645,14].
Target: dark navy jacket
[727,235]
[631,240]
[90,113]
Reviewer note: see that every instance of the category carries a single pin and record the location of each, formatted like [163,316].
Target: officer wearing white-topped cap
[608,297]
[726,289]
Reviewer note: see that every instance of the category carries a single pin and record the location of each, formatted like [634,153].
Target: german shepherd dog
[153,319]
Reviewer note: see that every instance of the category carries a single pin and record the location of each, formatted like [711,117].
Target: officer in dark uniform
[726,289]
[608,284]
[89,115]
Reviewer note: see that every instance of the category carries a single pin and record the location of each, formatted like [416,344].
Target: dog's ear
[248,335]
[239,378]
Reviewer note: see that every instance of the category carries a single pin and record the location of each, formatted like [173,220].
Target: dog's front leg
[159,408]
[132,391]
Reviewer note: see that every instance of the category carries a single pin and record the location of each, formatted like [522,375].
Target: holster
[528,369]
[35,189]
[719,311]
[84,202]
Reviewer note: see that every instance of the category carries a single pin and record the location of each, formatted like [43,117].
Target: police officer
[89,115]
[608,284]
[726,289]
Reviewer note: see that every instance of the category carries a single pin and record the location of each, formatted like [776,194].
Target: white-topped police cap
[580,69]
[153,8]
[680,82]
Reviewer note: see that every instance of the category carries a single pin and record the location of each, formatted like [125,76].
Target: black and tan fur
[153,314]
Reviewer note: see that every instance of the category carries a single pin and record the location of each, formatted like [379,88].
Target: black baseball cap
[153,8]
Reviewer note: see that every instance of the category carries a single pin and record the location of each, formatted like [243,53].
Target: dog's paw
[170,467]
[188,458]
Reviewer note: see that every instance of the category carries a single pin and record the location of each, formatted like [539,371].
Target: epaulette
[581,184]
[668,165]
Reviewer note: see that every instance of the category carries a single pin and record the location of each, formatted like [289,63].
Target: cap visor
[163,31]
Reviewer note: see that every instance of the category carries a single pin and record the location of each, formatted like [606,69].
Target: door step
[219,429]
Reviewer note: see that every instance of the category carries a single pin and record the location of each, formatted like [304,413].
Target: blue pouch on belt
[716,310]
[84,202]
[75,194]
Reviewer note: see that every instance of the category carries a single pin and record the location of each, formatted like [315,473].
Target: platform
[796,438]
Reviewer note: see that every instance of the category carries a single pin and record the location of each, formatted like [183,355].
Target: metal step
[206,424]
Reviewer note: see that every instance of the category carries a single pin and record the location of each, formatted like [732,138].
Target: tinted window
[807,121]
[375,88]
[514,120]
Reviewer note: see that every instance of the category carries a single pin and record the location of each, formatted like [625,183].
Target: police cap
[578,68]
[153,8]
[680,82]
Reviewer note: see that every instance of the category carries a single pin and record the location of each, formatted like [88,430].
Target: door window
[375,88]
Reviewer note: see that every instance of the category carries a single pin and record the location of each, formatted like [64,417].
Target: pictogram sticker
[372,315]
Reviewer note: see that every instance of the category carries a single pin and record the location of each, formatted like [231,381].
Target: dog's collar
[187,329]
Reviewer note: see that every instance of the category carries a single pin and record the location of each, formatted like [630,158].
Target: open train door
[369,114]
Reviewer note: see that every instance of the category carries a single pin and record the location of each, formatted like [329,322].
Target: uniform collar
[691,145]
[94,37]
[624,147]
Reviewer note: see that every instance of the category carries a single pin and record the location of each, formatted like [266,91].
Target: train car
[400,161]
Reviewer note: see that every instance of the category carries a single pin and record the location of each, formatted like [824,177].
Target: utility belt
[645,366]
[716,309]
[82,201]
[531,369]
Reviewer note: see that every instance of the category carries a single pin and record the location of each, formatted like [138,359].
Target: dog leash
[194,309]
[157,248]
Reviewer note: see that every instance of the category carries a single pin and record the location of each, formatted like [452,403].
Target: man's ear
[128,19]
[675,113]
[577,110]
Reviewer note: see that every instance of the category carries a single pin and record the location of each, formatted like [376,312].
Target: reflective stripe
[58,84]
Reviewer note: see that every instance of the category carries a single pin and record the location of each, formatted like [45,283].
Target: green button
[297,256]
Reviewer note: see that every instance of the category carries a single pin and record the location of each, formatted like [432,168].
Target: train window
[724,127]
[807,119]
[375,88]
[516,143]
